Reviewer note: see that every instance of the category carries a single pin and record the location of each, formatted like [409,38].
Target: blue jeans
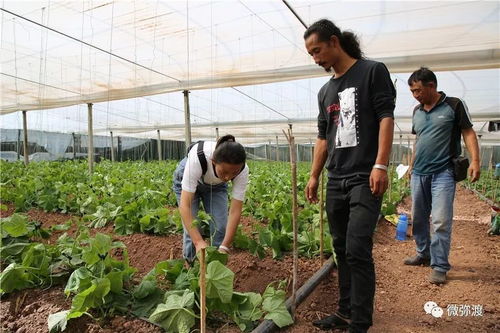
[433,195]
[215,202]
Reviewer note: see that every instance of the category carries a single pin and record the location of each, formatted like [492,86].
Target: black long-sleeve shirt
[350,109]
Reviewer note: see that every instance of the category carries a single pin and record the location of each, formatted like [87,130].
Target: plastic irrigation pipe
[268,326]
[482,196]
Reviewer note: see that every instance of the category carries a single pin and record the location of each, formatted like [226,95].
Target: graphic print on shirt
[347,135]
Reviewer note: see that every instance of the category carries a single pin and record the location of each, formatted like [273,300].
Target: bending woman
[223,161]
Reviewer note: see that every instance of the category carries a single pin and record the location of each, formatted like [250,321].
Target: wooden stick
[293,163]
[202,279]
[321,201]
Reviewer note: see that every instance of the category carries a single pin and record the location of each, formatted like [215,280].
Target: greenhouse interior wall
[49,146]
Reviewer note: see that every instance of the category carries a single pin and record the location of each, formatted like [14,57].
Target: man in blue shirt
[437,121]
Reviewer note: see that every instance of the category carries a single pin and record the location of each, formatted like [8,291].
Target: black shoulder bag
[460,163]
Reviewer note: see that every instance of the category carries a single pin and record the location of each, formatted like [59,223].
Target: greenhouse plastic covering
[244,63]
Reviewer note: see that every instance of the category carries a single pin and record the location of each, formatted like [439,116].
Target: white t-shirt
[193,172]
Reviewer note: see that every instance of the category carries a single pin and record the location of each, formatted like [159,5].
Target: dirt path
[401,291]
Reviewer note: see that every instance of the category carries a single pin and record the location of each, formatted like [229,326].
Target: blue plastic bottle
[401,227]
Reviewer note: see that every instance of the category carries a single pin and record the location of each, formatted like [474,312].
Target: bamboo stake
[389,188]
[202,291]
[293,163]
[90,135]
[321,201]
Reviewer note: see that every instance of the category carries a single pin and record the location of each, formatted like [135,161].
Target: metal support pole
[490,161]
[312,149]
[187,120]
[90,134]
[18,144]
[74,145]
[217,133]
[119,150]
[269,148]
[112,147]
[159,146]
[277,149]
[25,140]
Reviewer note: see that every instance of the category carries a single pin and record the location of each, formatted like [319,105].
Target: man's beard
[328,70]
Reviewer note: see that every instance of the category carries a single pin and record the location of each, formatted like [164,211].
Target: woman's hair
[227,150]
[325,29]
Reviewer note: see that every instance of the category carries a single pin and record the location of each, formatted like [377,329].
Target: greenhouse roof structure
[243,62]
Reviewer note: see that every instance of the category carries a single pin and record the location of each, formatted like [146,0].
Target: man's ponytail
[350,44]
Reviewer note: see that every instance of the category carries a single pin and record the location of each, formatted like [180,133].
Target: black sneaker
[335,321]
[417,261]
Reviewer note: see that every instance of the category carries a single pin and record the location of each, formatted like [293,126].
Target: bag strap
[202,158]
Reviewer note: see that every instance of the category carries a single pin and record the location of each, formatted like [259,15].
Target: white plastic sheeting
[65,54]
[54,143]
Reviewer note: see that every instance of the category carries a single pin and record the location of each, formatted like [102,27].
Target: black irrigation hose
[268,326]
[481,196]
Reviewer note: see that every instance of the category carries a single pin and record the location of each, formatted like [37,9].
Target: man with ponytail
[203,176]
[355,131]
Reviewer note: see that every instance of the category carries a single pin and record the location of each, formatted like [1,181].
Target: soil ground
[401,293]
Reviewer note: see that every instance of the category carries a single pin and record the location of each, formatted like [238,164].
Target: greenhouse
[100,100]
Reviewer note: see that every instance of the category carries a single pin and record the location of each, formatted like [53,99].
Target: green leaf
[99,248]
[90,297]
[15,225]
[61,227]
[80,279]
[274,304]
[116,281]
[219,282]
[13,249]
[212,254]
[176,314]
[170,268]
[247,309]
[147,296]
[57,321]
[145,288]
[145,220]
[14,277]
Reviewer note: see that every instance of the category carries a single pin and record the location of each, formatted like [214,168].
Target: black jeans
[352,216]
